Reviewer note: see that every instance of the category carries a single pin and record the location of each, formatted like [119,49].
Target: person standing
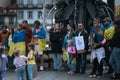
[71,53]
[99,52]
[41,34]
[81,57]
[108,34]
[20,63]
[19,39]
[28,32]
[56,45]
[4,34]
[31,61]
[115,55]
[3,63]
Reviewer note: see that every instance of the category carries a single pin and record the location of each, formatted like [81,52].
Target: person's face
[69,43]
[57,27]
[80,26]
[96,23]
[37,26]
[69,28]
[29,48]
[24,24]
[19,28]
[105,23]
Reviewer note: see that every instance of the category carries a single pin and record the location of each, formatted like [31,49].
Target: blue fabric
[4,61]
[30,70]
[57,59]
[21,73]
[98,38]
[65,42]
[3,75]
[115,59]
[70,65]
[110,25]
[19,36]
[41,34]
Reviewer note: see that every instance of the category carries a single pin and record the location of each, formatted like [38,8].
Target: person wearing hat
[19,39]
[108,34]
[115,55]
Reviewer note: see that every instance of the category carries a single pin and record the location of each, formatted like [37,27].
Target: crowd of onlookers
[19,48]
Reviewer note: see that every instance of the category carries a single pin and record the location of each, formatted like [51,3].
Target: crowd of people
[20,47]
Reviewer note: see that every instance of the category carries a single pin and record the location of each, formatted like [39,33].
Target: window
[41,1]
[20,1]
[30,15]
[11,20]
[39,14]
[20,15]
[30,1]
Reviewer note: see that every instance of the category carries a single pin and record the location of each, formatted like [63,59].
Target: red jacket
[28,34]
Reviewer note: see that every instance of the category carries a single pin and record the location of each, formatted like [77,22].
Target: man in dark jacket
[81,58]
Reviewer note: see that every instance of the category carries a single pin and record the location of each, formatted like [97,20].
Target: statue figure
[73,11]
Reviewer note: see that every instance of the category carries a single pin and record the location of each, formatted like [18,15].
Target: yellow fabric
[33,60]
[65,56]
[73,61]
[108,34]
[41,44]
[22,47]
[11,49]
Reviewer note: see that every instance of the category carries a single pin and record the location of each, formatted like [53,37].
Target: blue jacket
[65,42]
[19,36]
[41,34]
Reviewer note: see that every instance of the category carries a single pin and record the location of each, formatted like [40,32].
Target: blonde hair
[16,52]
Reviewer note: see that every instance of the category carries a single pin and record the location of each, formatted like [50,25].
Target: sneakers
[92,74]
[70,73]
[41,68]
[98,75]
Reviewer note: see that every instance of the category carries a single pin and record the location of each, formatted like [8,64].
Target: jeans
[21,74]
[70,65]
[57,59]
[81,63]
[2,75]
[115,59]
[30,68]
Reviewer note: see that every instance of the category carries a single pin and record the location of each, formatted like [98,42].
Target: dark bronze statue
[73,11]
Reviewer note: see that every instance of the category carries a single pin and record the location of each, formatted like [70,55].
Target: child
[3,62]
[20,64]
[31,61]
[71,52]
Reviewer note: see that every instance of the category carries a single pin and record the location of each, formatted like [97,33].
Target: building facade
[32,10]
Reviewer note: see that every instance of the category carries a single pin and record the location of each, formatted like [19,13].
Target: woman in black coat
[56,45]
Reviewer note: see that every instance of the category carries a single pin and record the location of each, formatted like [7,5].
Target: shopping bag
[80,45]
[65,56]
[35,71]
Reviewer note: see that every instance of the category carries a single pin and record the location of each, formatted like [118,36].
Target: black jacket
[85,35]
[115,42]
[56,42]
